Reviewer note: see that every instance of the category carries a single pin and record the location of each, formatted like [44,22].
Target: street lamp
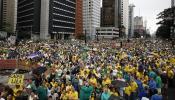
[97,35]
[85,37]
[31,32]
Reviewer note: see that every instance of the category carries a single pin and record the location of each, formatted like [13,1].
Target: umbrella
[119,83]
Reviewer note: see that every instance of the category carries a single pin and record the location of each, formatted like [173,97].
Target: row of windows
[22,16]
[58,11]
[25,18]
[24,2]
[62,29]
[27,11]
[71,12]
[64,4]
[66,22]
[67,2]
[27,24]
[56,14]
[64,18]
[24,21]
[25,7]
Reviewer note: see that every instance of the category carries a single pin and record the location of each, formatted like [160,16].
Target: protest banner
[16,79]
[13,64]
[8,64]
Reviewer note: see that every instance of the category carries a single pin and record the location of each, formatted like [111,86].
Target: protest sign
[16,79]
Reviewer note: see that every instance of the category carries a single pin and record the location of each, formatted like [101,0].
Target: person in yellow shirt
[170,73]
[106,81]
[64,95]
[16,89]
[52,82]
[134,88]
[126,69]
[73,95]
[127,91]
[114,92]
[170,76]
[93,81]
[145,80]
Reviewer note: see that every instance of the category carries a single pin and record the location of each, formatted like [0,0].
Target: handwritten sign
[16,79]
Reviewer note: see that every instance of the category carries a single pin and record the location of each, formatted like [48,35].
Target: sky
[149,10]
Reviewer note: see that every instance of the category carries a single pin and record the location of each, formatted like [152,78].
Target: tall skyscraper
[111,13]
[46,19]
[124,14]
[91,16]
[8,15]
[79,18]
[131,21]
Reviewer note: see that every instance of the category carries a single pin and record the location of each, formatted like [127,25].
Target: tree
[136,35]
[122,31]
[7,27]
[166,22]
[163,32]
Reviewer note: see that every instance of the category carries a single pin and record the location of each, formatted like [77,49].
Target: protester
[70,70]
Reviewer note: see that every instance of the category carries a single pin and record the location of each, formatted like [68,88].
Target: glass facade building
[47,18]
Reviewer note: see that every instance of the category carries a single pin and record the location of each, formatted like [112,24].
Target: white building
[107,32]
[91,17]
[124,14]
[131,21]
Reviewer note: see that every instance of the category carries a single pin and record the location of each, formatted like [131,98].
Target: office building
[46,19]
[131,21]
[79,19]
[8,15]
[110,19]
[138,25]
[28,18]
[125,14]
[91,17]
[62,18]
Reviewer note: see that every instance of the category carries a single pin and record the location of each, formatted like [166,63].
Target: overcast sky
[149,10]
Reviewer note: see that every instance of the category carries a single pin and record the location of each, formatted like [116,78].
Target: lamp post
[97,35]
[172,27]
[31,32]
[85,37]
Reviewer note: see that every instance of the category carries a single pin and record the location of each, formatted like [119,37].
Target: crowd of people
[142,70]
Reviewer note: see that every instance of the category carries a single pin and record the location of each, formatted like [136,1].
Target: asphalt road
[171,94]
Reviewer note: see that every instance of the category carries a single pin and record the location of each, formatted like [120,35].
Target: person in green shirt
[86,91]
[42,92]
[158,83]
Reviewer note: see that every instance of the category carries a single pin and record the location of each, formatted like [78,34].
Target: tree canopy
[166,18]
